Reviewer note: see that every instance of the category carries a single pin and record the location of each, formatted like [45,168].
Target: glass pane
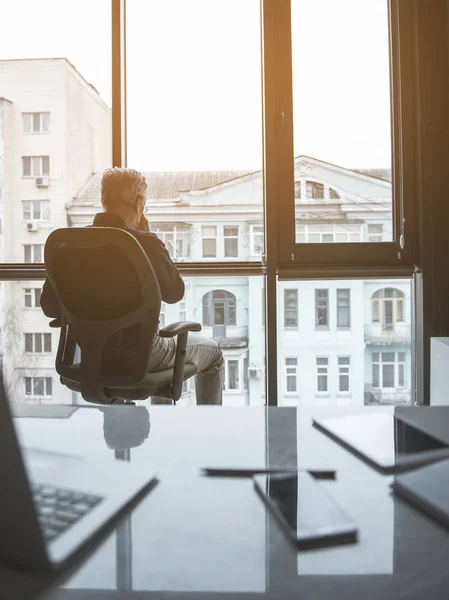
[45,121]
[67,97]
[26,122]
[352,361]
[37,342]
[201,149]
[26,164]
[341,106]
[36,122]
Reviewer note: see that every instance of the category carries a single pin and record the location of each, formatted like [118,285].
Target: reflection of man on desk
[123,196]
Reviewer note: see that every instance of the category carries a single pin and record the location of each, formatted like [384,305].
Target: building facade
[54,133]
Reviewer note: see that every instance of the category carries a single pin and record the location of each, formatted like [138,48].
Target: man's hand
[143,224]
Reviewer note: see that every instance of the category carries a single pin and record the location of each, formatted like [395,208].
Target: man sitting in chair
[123,196]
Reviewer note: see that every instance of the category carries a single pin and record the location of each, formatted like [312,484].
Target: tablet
[384,441]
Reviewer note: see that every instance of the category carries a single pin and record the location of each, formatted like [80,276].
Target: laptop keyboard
[60,508]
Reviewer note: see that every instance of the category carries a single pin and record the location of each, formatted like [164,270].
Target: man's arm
[49,302]
[170,281]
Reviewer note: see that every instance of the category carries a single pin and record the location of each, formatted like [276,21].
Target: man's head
[124,192]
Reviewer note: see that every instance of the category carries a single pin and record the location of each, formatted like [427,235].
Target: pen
[247,472]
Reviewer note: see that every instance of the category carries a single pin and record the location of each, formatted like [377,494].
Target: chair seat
[157,383]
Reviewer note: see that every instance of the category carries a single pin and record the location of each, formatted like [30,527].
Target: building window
[290,308]
[209,241]
[291,374]
[387,307]
[321,234]
[35,166]
[182,311]
[388,370]
[176,239]
[314,190]
[231,380]
[375,233]
[321,308]
[38,122]
[38,386]
[36,210]
[257,240]
[344,308]
[34,253]
[37,342]
[32,297]
[219,309]
[231,242]
[344,363]
[322,372]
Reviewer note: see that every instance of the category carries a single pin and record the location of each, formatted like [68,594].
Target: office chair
[109,300]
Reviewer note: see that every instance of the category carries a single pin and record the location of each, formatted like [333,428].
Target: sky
[194,75]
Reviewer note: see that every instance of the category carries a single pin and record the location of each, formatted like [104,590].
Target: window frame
[400,254]
[288,375]
[32,379]
[341,373]
[32,159]
[295,310]
[42,203]
[41,121]
[209,237]
[280,260]
[338,307]
[320,374]
[318,325]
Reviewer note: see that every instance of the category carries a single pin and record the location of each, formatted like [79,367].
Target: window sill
[344,394]
[322,328]
[322,394]
[344,328]
[291,328]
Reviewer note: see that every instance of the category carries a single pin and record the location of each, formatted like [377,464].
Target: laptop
[54,507]
[385,441]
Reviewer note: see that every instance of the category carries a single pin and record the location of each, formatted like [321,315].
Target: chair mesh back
[87,281]
[87,278]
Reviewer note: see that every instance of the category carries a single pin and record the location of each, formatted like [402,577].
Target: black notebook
[428,489]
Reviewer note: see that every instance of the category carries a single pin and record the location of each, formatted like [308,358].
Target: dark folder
[428,489]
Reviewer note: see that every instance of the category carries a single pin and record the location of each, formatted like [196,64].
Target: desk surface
[192,534]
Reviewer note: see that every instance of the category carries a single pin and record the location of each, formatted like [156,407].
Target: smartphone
[305,510]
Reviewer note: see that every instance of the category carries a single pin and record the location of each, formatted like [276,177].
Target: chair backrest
[109,300]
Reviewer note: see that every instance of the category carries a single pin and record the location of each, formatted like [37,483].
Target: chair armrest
[55,323]
[178,327]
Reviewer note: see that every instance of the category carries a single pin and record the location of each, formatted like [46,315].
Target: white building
[54,133]
[340,342]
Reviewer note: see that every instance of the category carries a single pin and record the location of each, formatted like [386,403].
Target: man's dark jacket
[170,281]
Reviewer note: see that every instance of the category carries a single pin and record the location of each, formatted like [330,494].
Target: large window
[310,187]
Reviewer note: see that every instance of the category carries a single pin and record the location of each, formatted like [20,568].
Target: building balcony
[228,336]
[385,335]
